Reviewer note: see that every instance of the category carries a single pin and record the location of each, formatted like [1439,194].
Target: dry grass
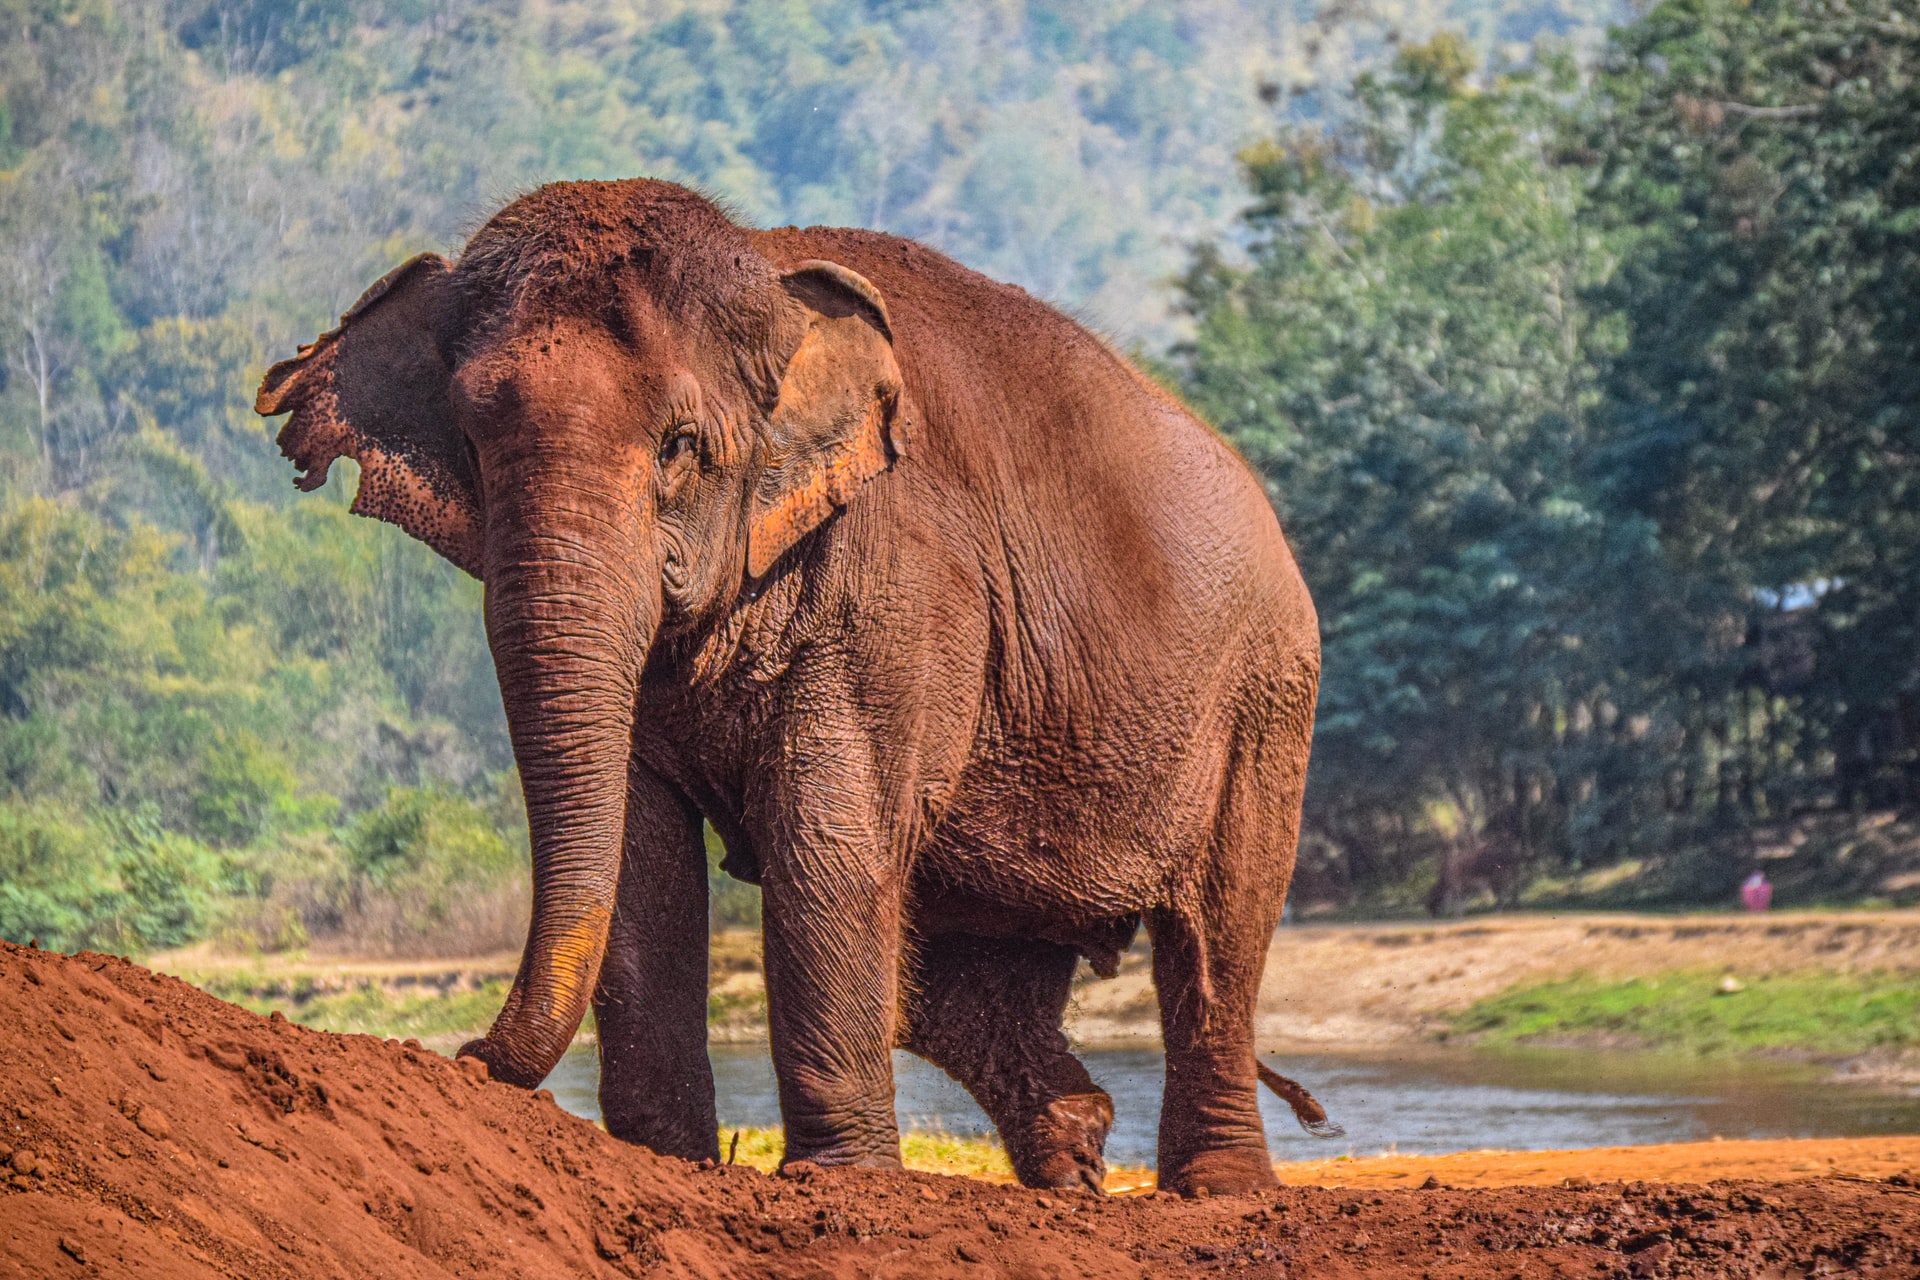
[947,1153]
[961,1157]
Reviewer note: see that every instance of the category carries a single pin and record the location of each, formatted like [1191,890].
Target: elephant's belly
[1079,840]
[1100,939]
[1080,880]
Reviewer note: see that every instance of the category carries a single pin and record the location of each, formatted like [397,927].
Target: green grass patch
[1806,1013]
[368,1008]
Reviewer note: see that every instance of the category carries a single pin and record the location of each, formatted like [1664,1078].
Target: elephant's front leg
[656,1085]
[832,931]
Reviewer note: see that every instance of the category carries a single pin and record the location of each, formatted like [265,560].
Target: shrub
[122,885]
[430,872]
[50,877]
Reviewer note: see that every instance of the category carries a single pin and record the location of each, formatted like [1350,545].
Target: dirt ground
[1764,1160]
[151,1130]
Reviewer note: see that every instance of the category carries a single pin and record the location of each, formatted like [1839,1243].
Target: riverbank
[443,1002]
[1816,1015]
[1355,985]
[1557,979]
[1517,978]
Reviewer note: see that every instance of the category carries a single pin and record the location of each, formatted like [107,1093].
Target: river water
[1422,1101]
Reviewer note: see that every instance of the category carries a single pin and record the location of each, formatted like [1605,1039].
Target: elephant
[975,646]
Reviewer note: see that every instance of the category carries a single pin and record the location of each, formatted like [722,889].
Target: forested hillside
[1560,356]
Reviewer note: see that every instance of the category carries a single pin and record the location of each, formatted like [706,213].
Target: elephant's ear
[377,389]
[839,420]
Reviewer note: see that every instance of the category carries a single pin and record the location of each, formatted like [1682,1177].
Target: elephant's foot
[1221,1171]
[663,1135]
[857,1142]
[802,1167]
[1061,1147]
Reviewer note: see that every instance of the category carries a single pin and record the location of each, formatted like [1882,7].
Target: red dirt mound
[148,1129]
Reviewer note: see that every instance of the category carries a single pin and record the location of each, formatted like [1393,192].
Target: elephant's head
[615,413]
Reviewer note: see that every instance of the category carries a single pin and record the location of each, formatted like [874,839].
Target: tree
[1405,356]
[1761,167]
[1594,409]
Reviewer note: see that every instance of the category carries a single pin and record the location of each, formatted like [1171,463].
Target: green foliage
[54,883]
[1571,384]
[247,791]
[418,830]
[428,871]
[113,884]
[170,883]
[428,850]
[1758,164]
[1405,358]
[1816,1013]
[1589,402]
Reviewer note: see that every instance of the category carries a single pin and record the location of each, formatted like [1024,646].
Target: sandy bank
[1783,1161]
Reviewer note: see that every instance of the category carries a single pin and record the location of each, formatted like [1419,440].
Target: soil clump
[147,1129]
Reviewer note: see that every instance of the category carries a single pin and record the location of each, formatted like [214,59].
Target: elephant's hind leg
[987,1011]
[1209,951]
[1212,1138]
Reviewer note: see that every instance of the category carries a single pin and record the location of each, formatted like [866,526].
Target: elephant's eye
[678,444]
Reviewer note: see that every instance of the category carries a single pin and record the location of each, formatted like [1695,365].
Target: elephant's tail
[1311,1115]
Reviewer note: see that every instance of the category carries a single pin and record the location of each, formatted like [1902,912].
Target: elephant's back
[1080,460]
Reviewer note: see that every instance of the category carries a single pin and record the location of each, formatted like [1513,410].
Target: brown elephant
[975,647]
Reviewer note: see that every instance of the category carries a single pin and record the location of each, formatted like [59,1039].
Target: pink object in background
[1756,892]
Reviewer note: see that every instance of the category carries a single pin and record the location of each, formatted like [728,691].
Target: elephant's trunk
[569,630]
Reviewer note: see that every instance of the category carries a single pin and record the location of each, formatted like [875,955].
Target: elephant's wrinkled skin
[976,648]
